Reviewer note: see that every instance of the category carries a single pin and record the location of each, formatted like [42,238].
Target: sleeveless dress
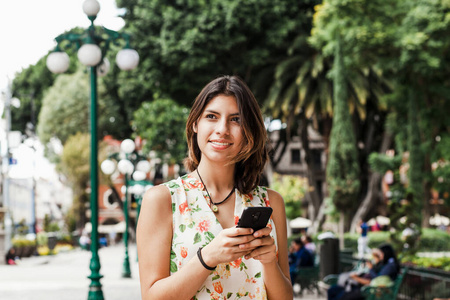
[195,226]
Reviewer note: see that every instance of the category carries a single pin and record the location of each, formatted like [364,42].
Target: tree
[343,165]
[162,123]
[408,41]
[75,166]
[183,44]
[30,85]
[65,109]
[293,189]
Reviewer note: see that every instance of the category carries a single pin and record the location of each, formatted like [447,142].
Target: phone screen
[255,217]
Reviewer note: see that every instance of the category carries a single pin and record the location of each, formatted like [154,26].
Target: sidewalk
[307,295]
[64,276]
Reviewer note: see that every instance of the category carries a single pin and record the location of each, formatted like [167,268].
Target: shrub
[434,240]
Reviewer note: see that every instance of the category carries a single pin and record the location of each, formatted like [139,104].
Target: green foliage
[42,238]
[66,105]
[65,108]
[75,160]
[184,44]
[431,240]
[21,242]
[22,228]
[292,189]
[434,240]
[430,262]
[29,86]
[162,123]
[343,166]
[50,225]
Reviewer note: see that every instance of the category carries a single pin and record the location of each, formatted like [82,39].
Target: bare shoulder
[157,201]
[277,204]
[275,198]
[157,193]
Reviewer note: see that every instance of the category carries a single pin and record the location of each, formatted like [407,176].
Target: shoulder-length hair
[253,156]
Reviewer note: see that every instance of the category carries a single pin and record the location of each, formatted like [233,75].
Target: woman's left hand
[262,248]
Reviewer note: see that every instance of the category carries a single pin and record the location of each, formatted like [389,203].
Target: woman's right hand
[224,247]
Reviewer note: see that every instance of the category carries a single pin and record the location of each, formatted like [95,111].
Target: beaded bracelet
[199,254]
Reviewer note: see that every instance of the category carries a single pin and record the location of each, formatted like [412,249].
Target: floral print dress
[195,226]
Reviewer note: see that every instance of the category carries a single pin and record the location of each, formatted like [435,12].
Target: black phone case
[255,217]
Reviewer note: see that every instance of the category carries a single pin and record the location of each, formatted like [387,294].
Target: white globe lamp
[58,62]
[125,166]
[127,146]
[108,167]
[144,166]
[138,190]
[127,59]
[103,68]
[91,8]
[139,175]
[90,55]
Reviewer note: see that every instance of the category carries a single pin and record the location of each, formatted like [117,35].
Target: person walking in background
[363,240]
[188,244]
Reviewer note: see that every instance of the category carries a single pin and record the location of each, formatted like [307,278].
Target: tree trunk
[313,197]
[373,189]
[341,229]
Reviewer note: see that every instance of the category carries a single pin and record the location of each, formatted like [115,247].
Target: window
[295,156]
[317,159]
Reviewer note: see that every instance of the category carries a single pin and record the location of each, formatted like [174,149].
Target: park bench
[375,292]
[385,293]
[308,278]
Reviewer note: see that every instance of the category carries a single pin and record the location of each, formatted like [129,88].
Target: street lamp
[134,167]
[92,46]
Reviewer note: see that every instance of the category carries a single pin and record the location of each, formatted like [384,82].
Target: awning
[300,223]
[117,228]
[438,220]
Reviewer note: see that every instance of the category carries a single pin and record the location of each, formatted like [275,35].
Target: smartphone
[255,217]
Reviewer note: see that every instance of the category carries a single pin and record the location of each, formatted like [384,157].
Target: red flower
[236,220]
[183,252]
[235,264]
[203,226]
[183,207]
[218,287]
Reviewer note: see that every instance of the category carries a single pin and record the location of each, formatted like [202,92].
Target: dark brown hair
[253,156]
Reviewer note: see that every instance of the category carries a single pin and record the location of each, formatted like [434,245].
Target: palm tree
[302,95]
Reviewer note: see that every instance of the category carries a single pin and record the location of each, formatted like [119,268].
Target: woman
[188,244]
[384,263]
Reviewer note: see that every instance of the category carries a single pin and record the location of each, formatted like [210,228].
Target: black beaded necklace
[214,205]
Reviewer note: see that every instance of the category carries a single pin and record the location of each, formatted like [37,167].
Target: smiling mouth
[220,143]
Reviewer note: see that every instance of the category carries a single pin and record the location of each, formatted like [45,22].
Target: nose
[222,127]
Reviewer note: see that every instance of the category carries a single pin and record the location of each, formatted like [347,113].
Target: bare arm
[276,271]
[154,242]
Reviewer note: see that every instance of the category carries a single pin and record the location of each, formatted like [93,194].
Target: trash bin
[329,257]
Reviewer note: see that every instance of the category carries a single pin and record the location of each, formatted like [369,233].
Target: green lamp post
[134,168]
[92,46]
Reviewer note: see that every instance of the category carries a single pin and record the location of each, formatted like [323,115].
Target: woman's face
[377,255]
[219,132]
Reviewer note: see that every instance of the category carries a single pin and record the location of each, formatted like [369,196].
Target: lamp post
[134,167]
[92,46]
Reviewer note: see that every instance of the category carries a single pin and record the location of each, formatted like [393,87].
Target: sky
[27,32]
[28,29]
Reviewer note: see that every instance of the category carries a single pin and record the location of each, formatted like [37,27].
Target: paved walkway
[64,276]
